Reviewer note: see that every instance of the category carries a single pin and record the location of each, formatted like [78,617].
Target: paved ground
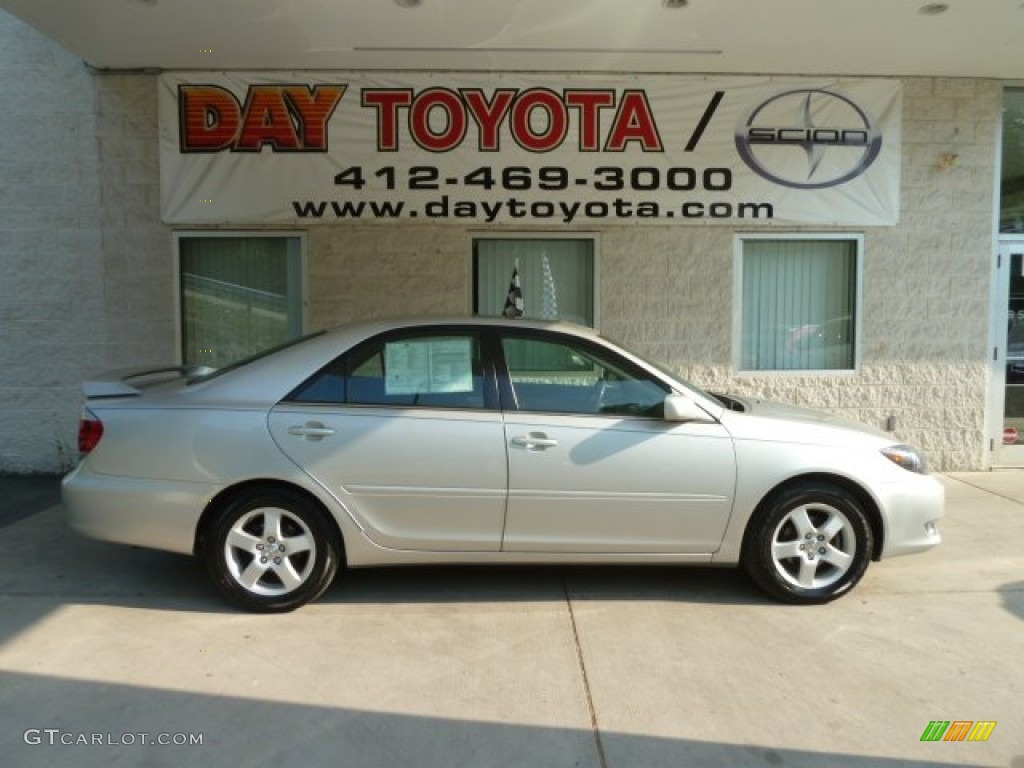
[621,668]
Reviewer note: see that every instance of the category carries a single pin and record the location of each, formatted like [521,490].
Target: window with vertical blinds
[239,295]
[556,277]
[798,304]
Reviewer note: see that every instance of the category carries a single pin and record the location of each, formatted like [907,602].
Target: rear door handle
[535,441]
[311,430]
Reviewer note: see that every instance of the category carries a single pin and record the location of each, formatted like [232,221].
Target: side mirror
[681,408]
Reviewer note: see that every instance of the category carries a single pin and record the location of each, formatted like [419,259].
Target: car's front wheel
[270,550]
[810,544]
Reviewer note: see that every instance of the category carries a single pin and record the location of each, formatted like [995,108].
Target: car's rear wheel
[810,544]
[271,550]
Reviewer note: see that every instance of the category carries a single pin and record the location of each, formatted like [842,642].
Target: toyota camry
[483,441]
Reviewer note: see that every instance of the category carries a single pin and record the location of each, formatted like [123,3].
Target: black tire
[271,550]
[809,544]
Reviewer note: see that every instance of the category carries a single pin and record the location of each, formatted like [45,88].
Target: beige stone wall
[88,278]
[386,271]
[138,263]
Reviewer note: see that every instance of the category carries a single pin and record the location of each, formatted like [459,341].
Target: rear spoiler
[116,383]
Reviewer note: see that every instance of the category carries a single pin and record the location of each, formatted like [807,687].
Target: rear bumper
[912,511]
[158,514]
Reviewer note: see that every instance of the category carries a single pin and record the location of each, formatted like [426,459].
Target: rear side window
[428,371]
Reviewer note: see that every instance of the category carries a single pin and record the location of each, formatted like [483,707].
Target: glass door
[1011,268]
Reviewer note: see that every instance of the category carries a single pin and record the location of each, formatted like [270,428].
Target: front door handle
[535,441]
[311,430]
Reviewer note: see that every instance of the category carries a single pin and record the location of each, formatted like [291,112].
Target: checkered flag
[514,300]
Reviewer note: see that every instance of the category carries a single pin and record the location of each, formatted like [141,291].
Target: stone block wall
[49,243]
[925,305]
[386,271]
[85,277]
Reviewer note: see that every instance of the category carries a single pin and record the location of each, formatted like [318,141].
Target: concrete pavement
[603,667]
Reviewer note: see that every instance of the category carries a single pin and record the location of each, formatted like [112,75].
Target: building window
[239,294]
[556,276]
[1011,198]
[798,300]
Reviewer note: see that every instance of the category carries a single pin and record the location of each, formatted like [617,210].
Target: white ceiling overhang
[972,38]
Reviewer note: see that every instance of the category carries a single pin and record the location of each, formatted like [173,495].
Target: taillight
[90,430]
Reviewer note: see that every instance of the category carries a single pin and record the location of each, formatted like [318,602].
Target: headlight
[906,457]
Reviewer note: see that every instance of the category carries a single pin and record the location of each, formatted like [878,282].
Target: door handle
[311,430]
[535,441]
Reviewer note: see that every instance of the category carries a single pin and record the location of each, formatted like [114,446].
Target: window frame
[593,237]
[509,399]
[739,242]
[1017,88]
[483,337]
[498,389]
[178,235]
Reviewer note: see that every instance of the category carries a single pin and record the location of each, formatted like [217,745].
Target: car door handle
[535,441]
[311,430]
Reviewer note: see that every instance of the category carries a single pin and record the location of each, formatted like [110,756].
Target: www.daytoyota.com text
[524,184]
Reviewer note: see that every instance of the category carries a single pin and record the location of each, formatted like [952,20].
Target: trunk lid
[132,382]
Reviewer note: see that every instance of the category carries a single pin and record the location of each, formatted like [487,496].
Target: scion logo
[808,138]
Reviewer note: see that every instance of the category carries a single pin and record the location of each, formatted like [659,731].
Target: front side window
[556,277]
[429,371]
[798,303]
[551,375]
[240,295]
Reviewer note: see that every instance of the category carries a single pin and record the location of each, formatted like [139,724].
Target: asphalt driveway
[107,651]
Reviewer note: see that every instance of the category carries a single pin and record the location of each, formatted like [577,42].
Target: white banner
[328,148]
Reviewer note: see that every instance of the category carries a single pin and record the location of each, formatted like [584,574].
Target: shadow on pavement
[1012,595]
[513,583]
[256,732]
[50,561]
[22,496]
[52,565]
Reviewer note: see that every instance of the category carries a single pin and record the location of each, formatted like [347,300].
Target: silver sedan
[483,441]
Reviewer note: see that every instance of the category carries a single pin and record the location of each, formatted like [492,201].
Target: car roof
[270,378]
[378,325]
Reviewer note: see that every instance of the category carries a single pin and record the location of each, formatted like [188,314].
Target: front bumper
[911,512]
